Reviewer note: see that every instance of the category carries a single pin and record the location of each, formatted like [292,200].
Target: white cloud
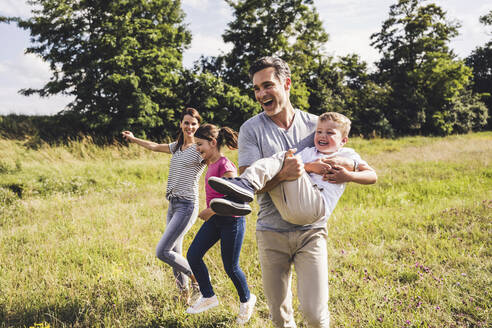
[22,72]
[204,45]
[471,33]
[225,11]
[13,103]
[196,4]
[352,43]
[350,24]
[15,8]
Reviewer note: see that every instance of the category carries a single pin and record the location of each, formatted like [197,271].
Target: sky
[348,22]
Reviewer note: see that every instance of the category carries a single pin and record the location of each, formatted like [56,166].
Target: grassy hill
[79,225]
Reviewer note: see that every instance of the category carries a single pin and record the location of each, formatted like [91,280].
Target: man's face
[328,137]
[270,92]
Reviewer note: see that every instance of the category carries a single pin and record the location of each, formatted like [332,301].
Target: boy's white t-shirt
[330,192]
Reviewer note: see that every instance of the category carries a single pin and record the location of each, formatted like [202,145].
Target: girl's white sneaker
[246,310]
[203,304]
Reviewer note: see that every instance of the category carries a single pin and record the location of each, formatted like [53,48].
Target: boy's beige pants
[298,201]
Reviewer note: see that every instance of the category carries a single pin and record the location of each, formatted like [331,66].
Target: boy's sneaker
[246,310]
[203,304]
[227,207]
[238,188]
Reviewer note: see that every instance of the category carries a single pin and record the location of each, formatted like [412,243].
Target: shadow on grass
[78,315]
[218,321]
[68,314]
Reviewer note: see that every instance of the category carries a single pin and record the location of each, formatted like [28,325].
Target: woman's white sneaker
[203,304]
[246,310]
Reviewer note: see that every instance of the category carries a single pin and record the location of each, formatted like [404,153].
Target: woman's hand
[206,214]
[128,135]
[150,145]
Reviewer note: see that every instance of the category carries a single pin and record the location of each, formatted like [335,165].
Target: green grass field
[79,225]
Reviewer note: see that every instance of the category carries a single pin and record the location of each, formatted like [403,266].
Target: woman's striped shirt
[185,170]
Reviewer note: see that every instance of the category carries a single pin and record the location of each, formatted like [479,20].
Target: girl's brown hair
[193,113]
[224,136]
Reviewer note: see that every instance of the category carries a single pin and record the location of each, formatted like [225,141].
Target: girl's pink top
[217,169]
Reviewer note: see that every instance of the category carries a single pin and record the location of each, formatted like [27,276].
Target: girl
[185,169]
[228,229]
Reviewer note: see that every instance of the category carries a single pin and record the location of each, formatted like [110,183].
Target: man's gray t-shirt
[260,137]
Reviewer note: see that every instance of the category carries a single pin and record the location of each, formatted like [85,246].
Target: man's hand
[293,167]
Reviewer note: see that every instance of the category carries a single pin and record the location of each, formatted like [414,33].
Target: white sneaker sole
[226,207]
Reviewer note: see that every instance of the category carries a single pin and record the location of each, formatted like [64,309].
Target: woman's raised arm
[150,145]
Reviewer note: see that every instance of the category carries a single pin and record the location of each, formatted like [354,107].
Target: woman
[185,169]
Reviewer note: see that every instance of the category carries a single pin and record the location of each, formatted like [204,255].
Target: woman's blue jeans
[181,214]
[230,232]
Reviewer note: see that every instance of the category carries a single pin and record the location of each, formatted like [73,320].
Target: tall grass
[79,224]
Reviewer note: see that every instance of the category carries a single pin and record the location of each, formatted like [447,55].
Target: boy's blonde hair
[342,121]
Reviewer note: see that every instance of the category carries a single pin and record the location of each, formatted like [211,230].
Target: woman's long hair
[187,111]
[224,136]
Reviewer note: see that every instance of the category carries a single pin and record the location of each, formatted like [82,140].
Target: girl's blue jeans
[181,215]
[230,232]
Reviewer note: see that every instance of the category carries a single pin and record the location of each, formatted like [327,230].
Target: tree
[480,61]
[424,75]
[218,102]
[364,100]
[121,60]
[486,19]
[289,29]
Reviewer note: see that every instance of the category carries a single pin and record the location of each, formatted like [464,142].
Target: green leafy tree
[217,101]
[326,89]
[480,61]
[486,19]
[424,76]
[364,99]
[293,31]
[345,86]
[121,60]
[290,29]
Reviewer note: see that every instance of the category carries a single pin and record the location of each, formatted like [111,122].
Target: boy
[309,198]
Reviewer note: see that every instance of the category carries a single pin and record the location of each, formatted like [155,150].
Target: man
[278,128]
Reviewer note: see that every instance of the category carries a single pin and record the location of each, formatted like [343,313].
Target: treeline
[122,62]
